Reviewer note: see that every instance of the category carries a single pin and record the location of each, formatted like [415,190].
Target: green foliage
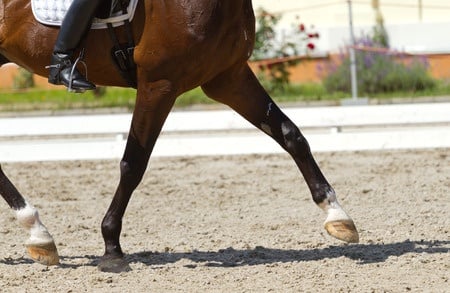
[274,74]
[99,91]
[265,35]
[379,33]
[380,36]
[23,79]
[60,99]
[378,72]
[275,77]
[192,97]
[36,99]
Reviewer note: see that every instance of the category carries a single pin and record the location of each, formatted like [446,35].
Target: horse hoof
[344,230]
[113,265]
[45,253]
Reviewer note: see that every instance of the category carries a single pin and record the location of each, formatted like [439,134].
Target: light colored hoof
[344,230]
[45,253]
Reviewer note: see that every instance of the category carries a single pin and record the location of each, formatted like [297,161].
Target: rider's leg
[75,25]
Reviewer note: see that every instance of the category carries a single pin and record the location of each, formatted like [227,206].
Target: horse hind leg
[40,246]
[239,88]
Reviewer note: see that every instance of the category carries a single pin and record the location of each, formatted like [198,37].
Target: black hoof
[113,265]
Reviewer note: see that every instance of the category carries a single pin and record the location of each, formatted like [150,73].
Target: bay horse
[179,45]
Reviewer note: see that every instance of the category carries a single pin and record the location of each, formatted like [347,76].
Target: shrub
[274,74]
[23,79]
[378,71]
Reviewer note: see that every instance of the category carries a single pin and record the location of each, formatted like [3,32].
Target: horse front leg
[153,104]
[40,246]
[239,88]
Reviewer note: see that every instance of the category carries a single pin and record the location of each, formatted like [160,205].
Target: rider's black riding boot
[75,25]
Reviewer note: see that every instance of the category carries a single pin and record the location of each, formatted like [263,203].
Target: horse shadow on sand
[230,257]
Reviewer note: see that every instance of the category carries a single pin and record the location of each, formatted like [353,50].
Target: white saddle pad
[52,12]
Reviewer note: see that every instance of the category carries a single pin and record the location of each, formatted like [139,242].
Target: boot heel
[53,76]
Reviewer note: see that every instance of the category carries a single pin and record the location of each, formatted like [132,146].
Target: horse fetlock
[111,228]
[332,207]
[323,194]
[28,217]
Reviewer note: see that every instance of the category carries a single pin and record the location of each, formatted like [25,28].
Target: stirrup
[74,65]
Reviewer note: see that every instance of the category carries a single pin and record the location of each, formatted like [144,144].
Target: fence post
[353,76]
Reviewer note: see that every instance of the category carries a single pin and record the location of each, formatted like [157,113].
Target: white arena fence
[222,132]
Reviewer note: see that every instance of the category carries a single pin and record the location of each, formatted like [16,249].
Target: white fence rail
[316,117]
[211,132]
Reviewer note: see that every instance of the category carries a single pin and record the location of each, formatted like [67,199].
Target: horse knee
[295,143]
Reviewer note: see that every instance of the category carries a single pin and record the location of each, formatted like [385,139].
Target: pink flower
[310,46]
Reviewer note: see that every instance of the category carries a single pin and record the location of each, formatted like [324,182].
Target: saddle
[52,12]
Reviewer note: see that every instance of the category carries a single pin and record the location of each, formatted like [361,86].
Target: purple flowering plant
[379,70]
